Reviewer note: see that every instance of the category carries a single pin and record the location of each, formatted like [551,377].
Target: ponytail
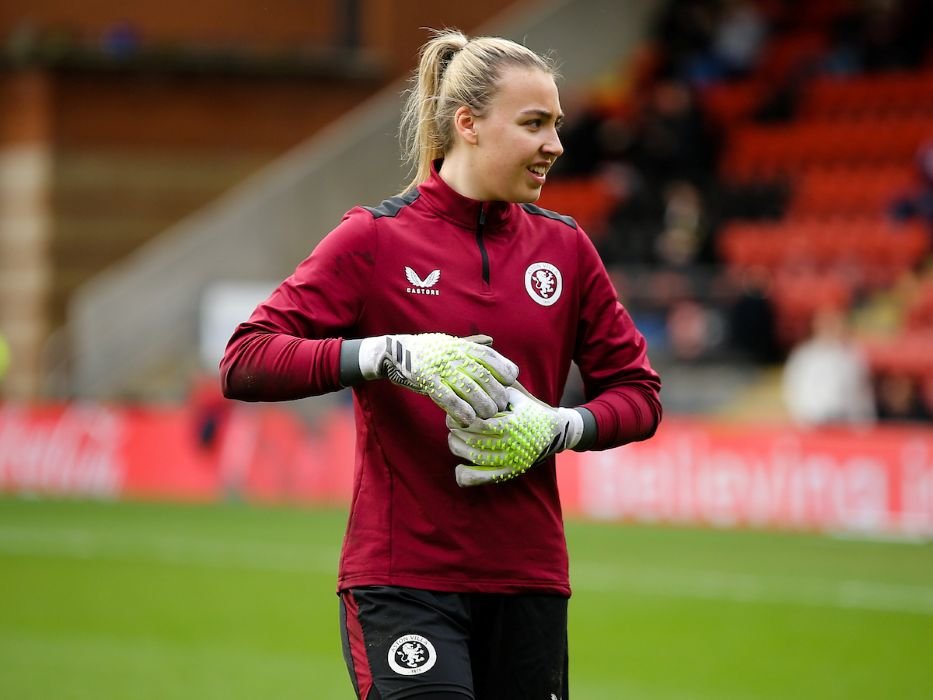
[453,71]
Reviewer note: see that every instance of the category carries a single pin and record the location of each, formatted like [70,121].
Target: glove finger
[481,450]
[487,381]
[470,475]
[496,392]
[458,447]
[516,399]
[477,443]
[484,455]
[453,405]
[517,391]
[494,427]
[453,423]
[502,368]
[467,388]
[479,339]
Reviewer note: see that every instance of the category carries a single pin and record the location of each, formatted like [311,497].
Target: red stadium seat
[589,201]
[904,93]
[920,309]
[872,250]
[727,104]
[907,353]
[799,293]
[785,55]
[850,191]
[764,152]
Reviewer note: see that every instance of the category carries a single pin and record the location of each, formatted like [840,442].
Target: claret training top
[435,261]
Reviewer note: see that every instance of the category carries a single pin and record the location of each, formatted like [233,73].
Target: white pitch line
[585,576]
[753,588]
[164,549]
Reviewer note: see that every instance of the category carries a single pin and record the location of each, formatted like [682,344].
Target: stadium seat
[919,314]
[853,191]
[872,250]
[903,93]
[727,104]
[907,353]
[799,293]
[767,152]
[786,55]
[589,201]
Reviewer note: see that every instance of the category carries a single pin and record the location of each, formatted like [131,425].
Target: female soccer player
[453,579]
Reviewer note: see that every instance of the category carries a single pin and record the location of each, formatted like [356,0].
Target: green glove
[464,376]
[507,445]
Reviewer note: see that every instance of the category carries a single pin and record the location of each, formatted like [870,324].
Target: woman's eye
[536,123]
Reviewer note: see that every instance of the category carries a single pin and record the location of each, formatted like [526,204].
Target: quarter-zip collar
[459,210]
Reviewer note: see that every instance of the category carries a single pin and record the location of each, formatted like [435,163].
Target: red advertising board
[258,453]
[877,480]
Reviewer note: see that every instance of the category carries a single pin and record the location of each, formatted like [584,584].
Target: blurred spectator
[686,29]
[842,57]
[634,223]
[584,150]
[210,411]
[752,318]
[781,102]
[583,147]
[739,37]
[683,227]
[898,398]
[694,331]
[879,36]
[672,139]
[826,379]
[893,34]
[918,202]
[885,312]
[664,226]
[707,41]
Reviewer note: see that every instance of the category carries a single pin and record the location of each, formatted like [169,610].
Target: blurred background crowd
[757,175]
[759,178]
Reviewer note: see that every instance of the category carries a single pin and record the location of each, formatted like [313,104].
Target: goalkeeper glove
[507,445]
[464,376]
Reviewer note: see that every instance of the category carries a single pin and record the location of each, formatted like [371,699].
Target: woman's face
[516,139]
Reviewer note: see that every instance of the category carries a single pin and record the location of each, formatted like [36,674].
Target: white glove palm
[464,376]
[507,445]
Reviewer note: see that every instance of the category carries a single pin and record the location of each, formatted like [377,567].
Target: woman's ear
[465,125]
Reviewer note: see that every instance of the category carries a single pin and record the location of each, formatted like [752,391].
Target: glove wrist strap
[573,422]
[372,351]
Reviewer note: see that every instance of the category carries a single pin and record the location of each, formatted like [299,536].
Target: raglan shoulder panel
[393,205]
[535,210]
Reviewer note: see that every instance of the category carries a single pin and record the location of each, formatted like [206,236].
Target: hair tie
[448,56]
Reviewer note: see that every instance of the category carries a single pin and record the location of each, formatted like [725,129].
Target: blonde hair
[454,71]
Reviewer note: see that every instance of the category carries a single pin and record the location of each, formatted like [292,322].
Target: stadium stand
[820,175]
[752,154]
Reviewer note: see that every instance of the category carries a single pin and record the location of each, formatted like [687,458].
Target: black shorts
[403,642]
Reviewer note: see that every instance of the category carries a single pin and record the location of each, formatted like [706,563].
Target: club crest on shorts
[543,283]
[412,655]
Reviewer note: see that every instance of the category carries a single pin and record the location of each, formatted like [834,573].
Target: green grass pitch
[120,600]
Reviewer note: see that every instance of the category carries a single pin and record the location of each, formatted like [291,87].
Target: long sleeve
[290,346]
[622,389]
